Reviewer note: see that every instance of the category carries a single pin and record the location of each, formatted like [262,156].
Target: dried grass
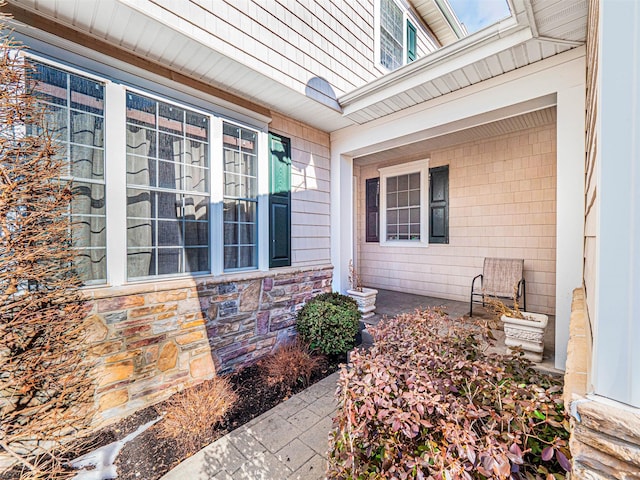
[290,364]
[189,415]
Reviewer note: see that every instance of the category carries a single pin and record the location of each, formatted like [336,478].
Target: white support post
[569,209]
[342,247]
[616,336]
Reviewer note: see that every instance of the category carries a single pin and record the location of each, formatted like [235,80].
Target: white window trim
[421,167]
[116,183]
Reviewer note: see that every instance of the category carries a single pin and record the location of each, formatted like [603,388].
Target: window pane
[87,129]
[87,162]
[169,260]
[89,231]
[392,200]
[140,232]
[401,218]
[87,95]
[141,262]
[75,119]
[141,171]
[196,233]
[414,181]
[169,233]
[88,199]
[140,203]
[141,110]
[176,194]
[240,192]
[197,259]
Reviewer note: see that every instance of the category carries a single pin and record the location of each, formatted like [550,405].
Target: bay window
[190,180]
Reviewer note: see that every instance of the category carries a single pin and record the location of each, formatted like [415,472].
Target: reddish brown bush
[290,364]
[426,401]
[190,414]
[46,390]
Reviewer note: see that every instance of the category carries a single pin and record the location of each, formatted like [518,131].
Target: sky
[477,14]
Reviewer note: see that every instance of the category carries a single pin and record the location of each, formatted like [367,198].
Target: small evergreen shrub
[427,402]
[337,299]
[329,323]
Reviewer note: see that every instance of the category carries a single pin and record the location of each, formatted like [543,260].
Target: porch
[390,303]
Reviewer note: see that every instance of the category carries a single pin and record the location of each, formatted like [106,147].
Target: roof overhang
[537,29]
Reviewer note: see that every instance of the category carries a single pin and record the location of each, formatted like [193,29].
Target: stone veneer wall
[605,435]
[152,339]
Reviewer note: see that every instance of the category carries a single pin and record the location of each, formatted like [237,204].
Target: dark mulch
[149,457]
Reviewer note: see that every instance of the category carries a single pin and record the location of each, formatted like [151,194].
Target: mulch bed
[149,457]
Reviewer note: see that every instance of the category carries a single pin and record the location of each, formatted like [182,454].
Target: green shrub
[329,324]
[427,401]
[337,299]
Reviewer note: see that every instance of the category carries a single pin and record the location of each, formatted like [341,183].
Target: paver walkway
[290,441]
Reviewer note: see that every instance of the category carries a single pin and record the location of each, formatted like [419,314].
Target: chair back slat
[501,276]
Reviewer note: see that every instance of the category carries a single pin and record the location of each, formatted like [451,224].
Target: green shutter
[439,204]
[279,201]
[411,42]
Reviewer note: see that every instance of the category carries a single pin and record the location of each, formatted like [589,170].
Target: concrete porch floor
[390,303]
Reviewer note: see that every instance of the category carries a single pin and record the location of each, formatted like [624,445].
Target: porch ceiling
[423,148]
[537,29]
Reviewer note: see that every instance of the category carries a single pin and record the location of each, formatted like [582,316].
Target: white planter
[527,333]
[366,300]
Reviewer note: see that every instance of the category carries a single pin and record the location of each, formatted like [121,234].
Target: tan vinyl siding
[310,210]
[502,194]
[290,41]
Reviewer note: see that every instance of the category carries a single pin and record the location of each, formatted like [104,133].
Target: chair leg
[471,306]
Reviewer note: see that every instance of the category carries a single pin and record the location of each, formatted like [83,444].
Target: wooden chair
[499,278]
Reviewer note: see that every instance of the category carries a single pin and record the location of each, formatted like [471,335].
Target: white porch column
[342,246]
[616,335]
[569,209]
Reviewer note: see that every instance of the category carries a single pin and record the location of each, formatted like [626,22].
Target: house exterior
[233,157]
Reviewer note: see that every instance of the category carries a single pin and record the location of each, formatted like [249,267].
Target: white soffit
[537,29]
[408,152]
[121,24]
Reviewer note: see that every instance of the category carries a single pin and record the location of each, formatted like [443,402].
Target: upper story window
[75,118]
[397,36]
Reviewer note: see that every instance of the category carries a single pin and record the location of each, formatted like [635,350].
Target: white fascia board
[467,51]
[518,87]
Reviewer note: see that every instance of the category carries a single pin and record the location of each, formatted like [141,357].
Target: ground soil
[148,456]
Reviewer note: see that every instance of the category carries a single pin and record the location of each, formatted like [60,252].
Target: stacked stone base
[154,339]
[605,435]
[605,441]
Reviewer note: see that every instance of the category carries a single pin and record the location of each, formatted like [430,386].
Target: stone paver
[289,441]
